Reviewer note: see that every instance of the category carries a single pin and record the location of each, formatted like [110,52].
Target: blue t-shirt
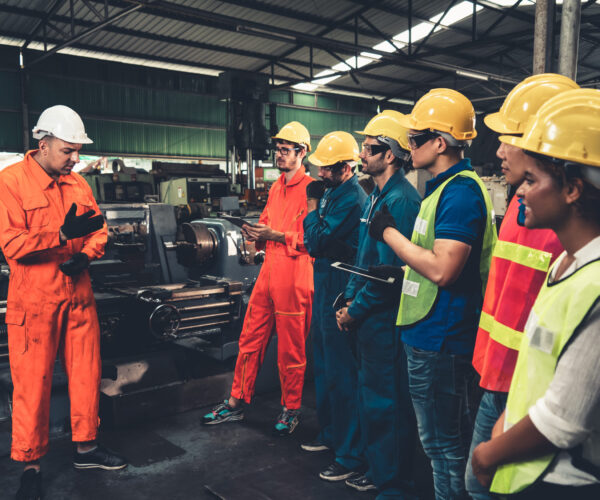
[461,215]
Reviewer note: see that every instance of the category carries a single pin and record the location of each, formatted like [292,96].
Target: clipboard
[363,272]
[236,221]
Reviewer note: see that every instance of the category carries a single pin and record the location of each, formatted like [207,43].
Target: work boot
[223,412]
[31,485]
[287,422]
[98,458]
[314,445]
[360,483]
[336,472]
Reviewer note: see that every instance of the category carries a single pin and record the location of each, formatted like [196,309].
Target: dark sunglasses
[374,149]
[335,167]
[417,140]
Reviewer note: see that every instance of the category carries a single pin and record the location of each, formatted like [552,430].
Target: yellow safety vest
[558,311]
[420,294]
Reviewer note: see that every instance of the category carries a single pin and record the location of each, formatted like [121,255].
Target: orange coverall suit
[47,310]
[282,296]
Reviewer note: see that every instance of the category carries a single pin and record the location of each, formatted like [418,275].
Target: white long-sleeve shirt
[569,412]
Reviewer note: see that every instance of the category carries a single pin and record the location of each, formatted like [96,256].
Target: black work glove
[315,190]
[337,249]
[380,221]
[76,264]
[77,226]
[386,271]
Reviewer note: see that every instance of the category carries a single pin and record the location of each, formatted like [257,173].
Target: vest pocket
[17,333]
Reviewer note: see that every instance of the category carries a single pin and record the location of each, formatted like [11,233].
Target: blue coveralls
[334,365]
[387,421]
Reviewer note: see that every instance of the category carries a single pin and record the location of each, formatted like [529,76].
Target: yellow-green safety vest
[558,311]
[420,294]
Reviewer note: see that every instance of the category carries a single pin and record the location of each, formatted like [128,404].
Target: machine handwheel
[165,321]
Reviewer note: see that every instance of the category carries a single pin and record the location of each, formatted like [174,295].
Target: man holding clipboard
[385,410]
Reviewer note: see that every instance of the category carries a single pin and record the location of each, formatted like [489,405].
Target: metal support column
[234,167]
[569,38]
[24,107]
[543,35]
[250,169]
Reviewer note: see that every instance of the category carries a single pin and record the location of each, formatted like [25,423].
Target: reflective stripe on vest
[526,256]
[533,258]
[418,293]
[557,313]
[500,333]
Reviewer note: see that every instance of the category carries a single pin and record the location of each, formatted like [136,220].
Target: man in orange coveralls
[50,301]
[283,292]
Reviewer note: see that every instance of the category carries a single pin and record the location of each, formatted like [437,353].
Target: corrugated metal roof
[252,34]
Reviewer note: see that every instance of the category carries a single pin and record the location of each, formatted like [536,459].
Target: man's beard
[373,169]
[332,183]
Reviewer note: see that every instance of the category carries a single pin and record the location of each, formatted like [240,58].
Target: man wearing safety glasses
[385,411]
[448,259]
[283,292]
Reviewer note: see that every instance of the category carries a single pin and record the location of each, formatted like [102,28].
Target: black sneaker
[223,412]
[360,482]
[315,445]
[336,472]
[31,485]
[98,458]
[287,422]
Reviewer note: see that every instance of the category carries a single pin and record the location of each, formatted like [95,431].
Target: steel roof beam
[44,19]
[326,43]
[160,38]
[87,32]
[296,14]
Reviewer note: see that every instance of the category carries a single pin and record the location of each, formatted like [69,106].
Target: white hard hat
[61,122]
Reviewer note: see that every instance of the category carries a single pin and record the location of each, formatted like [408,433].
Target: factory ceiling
[392,50]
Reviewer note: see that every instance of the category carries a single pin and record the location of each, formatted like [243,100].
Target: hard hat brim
[495,122]
[520,142]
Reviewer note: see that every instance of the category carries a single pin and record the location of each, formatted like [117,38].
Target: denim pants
[491,407]
[438,385]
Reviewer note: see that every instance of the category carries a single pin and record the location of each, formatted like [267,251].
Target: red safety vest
[520,262]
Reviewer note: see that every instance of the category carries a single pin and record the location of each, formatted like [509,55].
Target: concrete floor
[175,458]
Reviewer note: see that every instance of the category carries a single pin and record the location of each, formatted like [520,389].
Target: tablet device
[237,221]
[362,272]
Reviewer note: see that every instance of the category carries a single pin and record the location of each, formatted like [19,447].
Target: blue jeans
[438,385]
[491,407]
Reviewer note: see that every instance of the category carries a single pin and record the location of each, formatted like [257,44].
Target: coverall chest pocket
[36,210]
[17,334]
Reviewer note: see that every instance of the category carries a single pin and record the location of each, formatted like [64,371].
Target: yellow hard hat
[333,148]
[294,132]
[387,127]
[444,110]
[388,124]
[525,99]
[566,127]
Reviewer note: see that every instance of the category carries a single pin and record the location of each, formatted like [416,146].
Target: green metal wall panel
[11,135]
[279,96]
[327,102]
[304,99]
[104,99]
[10,94]
[320,123]
[147,140]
